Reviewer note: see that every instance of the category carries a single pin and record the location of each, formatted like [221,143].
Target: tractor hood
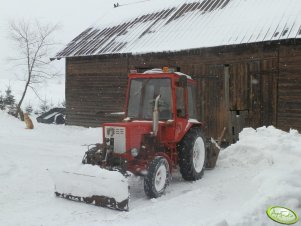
[125,136]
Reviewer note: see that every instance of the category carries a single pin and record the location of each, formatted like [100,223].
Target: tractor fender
[162,154]
[195,124]
[190,123]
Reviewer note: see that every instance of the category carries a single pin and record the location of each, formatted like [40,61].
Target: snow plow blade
[93,185]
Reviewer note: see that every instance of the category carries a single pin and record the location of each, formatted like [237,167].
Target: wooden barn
[244,54]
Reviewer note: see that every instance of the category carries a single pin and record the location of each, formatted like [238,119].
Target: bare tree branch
[32,40]
[36,93]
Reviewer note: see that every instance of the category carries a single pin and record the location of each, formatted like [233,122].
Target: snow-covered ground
[261,170]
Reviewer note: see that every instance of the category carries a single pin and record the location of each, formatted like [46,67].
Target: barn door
[242,84]
[230,96]
[211,100]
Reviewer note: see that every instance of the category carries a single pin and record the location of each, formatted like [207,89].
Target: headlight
[110,132]
[134,152]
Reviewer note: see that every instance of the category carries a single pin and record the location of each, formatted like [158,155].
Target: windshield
[143,93]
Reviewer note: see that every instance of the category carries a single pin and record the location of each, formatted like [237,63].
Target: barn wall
[94,88]
[238,86]
[289,88]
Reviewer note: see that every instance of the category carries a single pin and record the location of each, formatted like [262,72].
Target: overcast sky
[73,15]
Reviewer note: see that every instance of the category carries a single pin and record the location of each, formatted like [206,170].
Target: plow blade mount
[93,185]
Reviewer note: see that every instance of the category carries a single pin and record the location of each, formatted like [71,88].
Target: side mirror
[182,81]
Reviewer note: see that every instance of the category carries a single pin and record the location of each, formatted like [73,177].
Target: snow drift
[274,157]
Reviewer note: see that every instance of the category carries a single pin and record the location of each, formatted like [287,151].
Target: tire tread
[185,151]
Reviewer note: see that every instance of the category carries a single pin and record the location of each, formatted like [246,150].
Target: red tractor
[159,133]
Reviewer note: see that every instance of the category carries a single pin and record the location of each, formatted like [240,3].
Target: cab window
[191,102]
[181,112]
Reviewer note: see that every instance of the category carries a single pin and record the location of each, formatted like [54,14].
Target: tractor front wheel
[157,178]
[192,155]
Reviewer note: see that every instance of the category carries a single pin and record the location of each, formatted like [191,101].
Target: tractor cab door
[181,112]
[185,106]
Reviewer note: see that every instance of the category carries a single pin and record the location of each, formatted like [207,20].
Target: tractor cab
[163,104]
[175,92]
[160,110]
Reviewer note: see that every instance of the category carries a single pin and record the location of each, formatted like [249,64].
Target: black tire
[192,168]
[154,186]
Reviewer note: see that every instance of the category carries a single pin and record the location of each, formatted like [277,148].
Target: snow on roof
[174,25]
[159,70]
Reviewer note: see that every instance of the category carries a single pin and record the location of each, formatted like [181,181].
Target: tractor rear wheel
[192,155]
[157,178]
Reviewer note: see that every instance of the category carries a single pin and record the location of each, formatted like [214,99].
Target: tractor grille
[117,139]
[119,131]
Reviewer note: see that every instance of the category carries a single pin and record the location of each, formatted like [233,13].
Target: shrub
[29,109]
[9,98]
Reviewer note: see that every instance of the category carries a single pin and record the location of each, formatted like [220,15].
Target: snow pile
[274,156]
[264,147]
[88,180]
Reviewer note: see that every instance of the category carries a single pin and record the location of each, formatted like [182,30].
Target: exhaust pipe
[156,116]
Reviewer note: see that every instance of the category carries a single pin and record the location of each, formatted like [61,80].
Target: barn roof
[174,25]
